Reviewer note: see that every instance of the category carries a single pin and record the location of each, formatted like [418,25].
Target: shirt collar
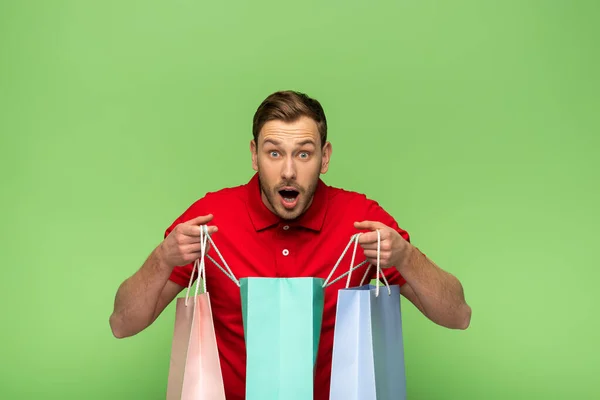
[263,218]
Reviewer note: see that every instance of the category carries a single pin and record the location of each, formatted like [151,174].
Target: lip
[289,188]
[285,204]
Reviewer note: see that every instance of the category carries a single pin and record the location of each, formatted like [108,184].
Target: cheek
[310,168]
[309,178]
[268,172]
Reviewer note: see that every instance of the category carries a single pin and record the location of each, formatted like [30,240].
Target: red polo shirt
[257,243]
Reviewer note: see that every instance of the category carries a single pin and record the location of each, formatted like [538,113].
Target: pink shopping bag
[195,369]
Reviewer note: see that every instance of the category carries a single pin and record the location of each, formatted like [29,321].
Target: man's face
[289,159]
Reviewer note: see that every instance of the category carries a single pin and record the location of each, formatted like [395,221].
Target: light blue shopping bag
[368,350]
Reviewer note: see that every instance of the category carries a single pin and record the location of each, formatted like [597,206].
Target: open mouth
[289,197]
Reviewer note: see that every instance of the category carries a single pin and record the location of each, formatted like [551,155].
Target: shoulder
[225,198]
[345,199]
[358,206]
[214,202]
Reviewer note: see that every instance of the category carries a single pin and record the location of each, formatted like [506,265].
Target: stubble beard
[273,198]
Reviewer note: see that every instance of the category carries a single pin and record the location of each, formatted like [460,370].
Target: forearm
[137,297]
[439,292]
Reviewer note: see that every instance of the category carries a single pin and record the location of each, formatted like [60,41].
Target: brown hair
[289,106]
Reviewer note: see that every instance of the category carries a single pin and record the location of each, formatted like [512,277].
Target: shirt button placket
[285,265]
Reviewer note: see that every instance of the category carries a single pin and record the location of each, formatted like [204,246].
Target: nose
[288,170]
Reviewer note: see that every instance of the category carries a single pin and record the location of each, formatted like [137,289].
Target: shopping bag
[195,369]
[282,324]
[368,351]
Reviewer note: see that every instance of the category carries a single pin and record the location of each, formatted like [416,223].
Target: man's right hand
[182,246]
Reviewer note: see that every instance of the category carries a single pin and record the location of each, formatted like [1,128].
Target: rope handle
[227,273]
[354,238]
[200,263]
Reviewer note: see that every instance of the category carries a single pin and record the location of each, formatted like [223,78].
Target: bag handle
[379,270]
[227,273]
[354,238]
[200,263]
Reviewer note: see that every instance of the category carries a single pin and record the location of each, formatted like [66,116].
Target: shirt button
[285,252]
[286,227]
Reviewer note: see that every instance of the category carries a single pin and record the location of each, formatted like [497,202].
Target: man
[285,222]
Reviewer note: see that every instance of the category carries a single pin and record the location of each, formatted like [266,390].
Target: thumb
[369,225]
[201,220]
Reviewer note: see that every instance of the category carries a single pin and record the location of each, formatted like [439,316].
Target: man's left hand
[393,248]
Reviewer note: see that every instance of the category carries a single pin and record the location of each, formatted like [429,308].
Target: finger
[384,245]
[194,248]
[372,258]
[212,229]
[371,237]
[201,220]
[373,247]
[191,257]
[190,230]
[184,239]
[369,225]
[367,239]
[194,230]
[372,254]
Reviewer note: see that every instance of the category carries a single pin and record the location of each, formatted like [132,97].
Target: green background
[474,123]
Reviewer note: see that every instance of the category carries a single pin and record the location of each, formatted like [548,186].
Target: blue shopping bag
[368,351]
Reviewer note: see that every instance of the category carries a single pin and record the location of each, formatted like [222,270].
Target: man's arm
[443,301]
[437,293]
[142,297]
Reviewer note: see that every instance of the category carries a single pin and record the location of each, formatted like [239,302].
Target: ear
[254,155]
[327,150]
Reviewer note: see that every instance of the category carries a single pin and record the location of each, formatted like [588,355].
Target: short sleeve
[376,213]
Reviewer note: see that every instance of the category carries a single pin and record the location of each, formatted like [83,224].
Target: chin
[288,215]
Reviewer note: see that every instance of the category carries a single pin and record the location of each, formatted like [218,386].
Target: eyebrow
[277,142]
[271,141]
[307,141]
